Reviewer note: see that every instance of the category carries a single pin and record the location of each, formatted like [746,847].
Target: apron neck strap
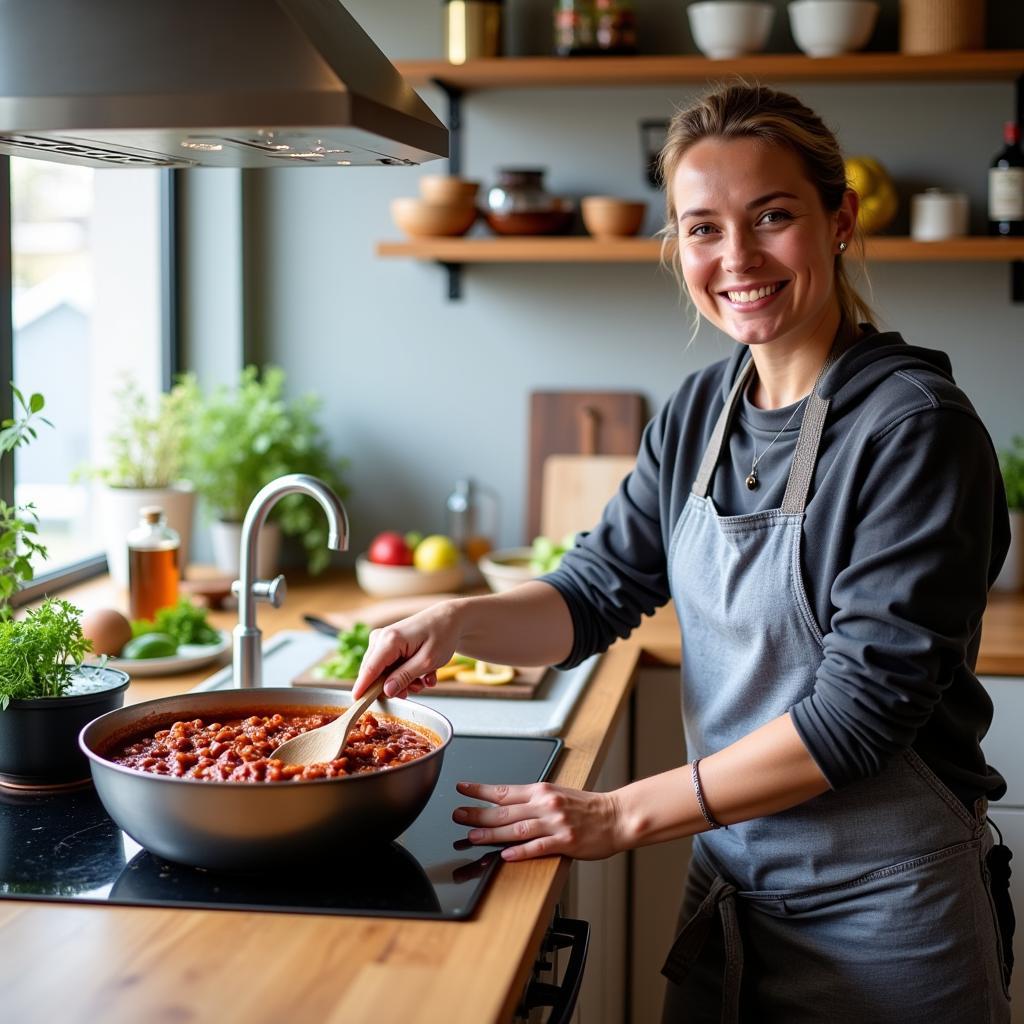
[714,449]
[801,471]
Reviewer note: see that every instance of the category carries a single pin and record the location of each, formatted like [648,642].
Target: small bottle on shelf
[1006,186]
[153,569]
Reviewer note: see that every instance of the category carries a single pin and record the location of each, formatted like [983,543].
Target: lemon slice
[487,674]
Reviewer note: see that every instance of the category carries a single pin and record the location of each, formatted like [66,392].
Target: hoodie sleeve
[925,539]
[616,573]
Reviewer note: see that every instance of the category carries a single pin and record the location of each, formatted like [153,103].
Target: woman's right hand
[410,651]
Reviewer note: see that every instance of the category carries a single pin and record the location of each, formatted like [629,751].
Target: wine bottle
[1006,186]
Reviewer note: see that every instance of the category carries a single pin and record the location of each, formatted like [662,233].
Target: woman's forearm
[765,772]
[528,625]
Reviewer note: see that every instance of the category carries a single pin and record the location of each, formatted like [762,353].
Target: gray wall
[419,390]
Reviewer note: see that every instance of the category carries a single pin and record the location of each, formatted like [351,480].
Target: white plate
[189,656]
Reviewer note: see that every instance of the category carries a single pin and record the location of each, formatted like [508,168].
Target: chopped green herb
[184,623]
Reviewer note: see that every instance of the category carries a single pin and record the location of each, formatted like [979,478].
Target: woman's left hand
[543,820]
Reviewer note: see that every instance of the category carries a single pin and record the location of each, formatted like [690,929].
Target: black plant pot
[39,737]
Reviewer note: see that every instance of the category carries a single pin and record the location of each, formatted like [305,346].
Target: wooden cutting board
[578,423]
[524,686]
[576,489]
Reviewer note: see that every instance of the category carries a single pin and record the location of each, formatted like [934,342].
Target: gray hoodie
[905,529]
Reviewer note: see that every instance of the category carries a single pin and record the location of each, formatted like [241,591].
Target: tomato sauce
[238,750]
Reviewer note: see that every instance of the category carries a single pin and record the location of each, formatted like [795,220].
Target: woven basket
[941,26]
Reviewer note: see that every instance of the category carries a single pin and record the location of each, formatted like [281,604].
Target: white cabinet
[1004,750]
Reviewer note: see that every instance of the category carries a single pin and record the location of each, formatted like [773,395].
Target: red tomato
[390,548]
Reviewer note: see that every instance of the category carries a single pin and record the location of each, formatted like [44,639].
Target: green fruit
[150,645]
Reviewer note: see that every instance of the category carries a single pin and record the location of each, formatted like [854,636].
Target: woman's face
[756,245]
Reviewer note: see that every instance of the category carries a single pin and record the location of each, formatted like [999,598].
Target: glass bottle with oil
[154,571]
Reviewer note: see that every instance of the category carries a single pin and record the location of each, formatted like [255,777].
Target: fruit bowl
[507,568]
[404,580]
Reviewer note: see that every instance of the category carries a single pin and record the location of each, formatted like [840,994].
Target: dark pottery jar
[519,205]
[39,737]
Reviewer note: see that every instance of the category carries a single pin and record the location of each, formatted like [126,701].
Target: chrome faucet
[247,654]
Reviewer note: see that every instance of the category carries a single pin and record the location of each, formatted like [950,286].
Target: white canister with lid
[935,215]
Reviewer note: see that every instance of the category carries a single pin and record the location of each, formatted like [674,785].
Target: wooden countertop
[82,963]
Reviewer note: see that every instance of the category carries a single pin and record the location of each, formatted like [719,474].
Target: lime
[150,645]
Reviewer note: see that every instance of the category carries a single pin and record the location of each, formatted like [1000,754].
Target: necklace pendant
[752,480]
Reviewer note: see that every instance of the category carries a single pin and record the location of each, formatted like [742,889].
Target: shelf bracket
[1017,281]
[454,274]
[454,96]
[453,271]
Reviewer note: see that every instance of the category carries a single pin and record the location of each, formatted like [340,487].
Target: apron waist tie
[721,898]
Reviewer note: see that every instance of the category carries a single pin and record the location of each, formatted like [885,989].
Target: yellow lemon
[487,674]
[435,552]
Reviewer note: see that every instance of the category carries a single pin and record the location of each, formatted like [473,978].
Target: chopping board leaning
[524,686]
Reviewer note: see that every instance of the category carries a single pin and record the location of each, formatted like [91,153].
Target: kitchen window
[90,299]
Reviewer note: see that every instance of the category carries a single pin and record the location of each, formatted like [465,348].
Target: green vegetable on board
[547,553]
[345,662]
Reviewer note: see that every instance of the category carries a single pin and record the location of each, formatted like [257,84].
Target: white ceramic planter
[119,514]
[1011,577]
[227,541]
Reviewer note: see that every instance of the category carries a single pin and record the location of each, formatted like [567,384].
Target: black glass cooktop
[64,846]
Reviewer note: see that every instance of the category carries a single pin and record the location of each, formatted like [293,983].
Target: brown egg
[108,630]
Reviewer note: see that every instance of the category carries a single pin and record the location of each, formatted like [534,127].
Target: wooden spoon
[328,741]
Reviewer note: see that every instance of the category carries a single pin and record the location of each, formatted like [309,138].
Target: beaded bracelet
[695,775]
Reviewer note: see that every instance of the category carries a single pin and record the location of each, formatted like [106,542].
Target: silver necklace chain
[752,480]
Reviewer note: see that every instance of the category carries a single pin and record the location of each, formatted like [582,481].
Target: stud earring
[842,247]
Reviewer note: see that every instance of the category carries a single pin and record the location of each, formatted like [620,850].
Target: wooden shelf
[532,72]
[882,249]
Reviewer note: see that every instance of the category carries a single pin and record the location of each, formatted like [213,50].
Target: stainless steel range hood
[211,83]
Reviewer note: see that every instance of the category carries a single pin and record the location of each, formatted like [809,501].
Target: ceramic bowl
[827,28]
[532,222]
[404,580]
[506,568]
[420,219]
[608,217]
[730,28]
[440,188]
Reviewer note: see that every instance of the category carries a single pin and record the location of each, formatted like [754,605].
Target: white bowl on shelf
[828,28]
[730,28]
[404,580]
[506,568]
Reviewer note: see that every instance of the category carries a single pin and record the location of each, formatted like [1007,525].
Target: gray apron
[866,904]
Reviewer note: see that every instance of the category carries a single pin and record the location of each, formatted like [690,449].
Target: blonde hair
[744,110]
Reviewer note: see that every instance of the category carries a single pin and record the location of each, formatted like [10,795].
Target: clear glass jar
[154,573]
[575,28]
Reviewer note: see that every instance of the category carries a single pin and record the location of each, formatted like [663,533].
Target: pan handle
[564,933]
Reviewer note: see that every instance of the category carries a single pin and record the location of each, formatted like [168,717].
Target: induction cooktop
[65,847]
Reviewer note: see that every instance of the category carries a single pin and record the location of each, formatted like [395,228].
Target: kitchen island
[87,963]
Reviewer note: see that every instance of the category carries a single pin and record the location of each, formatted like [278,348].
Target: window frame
[48,582]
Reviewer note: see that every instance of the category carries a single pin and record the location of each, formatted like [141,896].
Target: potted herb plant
[46,694]
[147,452]
[1011,462]
[241,438]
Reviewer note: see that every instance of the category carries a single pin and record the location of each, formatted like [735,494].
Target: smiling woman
[824,508]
